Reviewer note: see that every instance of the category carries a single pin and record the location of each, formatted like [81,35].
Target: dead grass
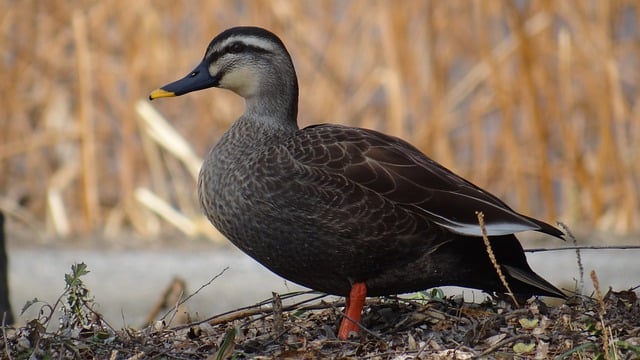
[303,325]
[537,103]
[395,328]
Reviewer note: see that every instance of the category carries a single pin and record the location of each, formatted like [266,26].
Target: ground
[421,326]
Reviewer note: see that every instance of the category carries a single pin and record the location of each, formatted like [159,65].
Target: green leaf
[227,346]
[437,293]
[625,345]
[79,269]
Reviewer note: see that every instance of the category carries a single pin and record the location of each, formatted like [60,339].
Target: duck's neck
[274,104]
[272,113]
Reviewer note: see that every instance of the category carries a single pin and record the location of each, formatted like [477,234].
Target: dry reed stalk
[86,116]
[183,196]
[492,257]
[607,336]
[158,133]
[161,131]
[491,69]
[19,146]
[567,99]
[157,177]
[526,58]
[559,110]
[593,84]
[166,211]
[153,158]
[391,77]
[590,23]
[57,209]
[438,124]
[619,141]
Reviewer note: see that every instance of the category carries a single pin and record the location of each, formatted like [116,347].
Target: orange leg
[353,310]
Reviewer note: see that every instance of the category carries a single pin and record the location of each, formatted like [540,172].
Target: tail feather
[534,280]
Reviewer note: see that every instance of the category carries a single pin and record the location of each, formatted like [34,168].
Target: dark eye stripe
[236,47]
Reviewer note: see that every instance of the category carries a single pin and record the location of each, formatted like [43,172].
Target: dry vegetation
[425,326]
[535,100]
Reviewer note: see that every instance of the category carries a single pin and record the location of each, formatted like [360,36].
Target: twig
[605,329]
[205,285]
[197,291]
[176,307]
[276,305]
[289,296]
[4,335]
[295,306]
[578,256]
[492,257]
[585,247]
[253,310]
[424,347]
[176,285]
[502,343]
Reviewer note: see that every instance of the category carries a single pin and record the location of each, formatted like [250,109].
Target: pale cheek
[242,81]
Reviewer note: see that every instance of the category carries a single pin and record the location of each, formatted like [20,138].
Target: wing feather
[401,173]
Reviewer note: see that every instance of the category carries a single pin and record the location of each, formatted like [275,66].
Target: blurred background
[536,101]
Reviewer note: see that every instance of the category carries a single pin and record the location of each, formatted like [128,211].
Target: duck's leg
[353,310]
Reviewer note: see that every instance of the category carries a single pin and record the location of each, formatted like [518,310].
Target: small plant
[77,307]
[77,310]
[435,294]
[78,321]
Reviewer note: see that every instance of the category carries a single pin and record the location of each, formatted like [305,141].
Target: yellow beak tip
[158,93]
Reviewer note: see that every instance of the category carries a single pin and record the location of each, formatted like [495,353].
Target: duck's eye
[237,47]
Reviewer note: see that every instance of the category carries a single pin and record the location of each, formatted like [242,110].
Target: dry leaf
[492,340]
[528,323]
[522,348]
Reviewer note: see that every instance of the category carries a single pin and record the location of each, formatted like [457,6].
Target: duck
[343,210]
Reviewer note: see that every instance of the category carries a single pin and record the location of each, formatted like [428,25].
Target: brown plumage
[331,206]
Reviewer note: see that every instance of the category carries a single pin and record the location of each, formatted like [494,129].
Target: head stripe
[255,39]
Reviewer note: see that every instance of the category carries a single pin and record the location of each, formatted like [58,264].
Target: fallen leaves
[398,328]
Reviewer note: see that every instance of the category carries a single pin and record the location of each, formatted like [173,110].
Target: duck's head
[250,61]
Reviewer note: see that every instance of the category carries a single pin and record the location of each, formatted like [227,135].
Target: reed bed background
[536,101]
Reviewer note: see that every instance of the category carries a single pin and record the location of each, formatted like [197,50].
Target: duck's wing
[401,173]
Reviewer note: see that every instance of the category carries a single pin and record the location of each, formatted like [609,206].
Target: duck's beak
[197,79]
